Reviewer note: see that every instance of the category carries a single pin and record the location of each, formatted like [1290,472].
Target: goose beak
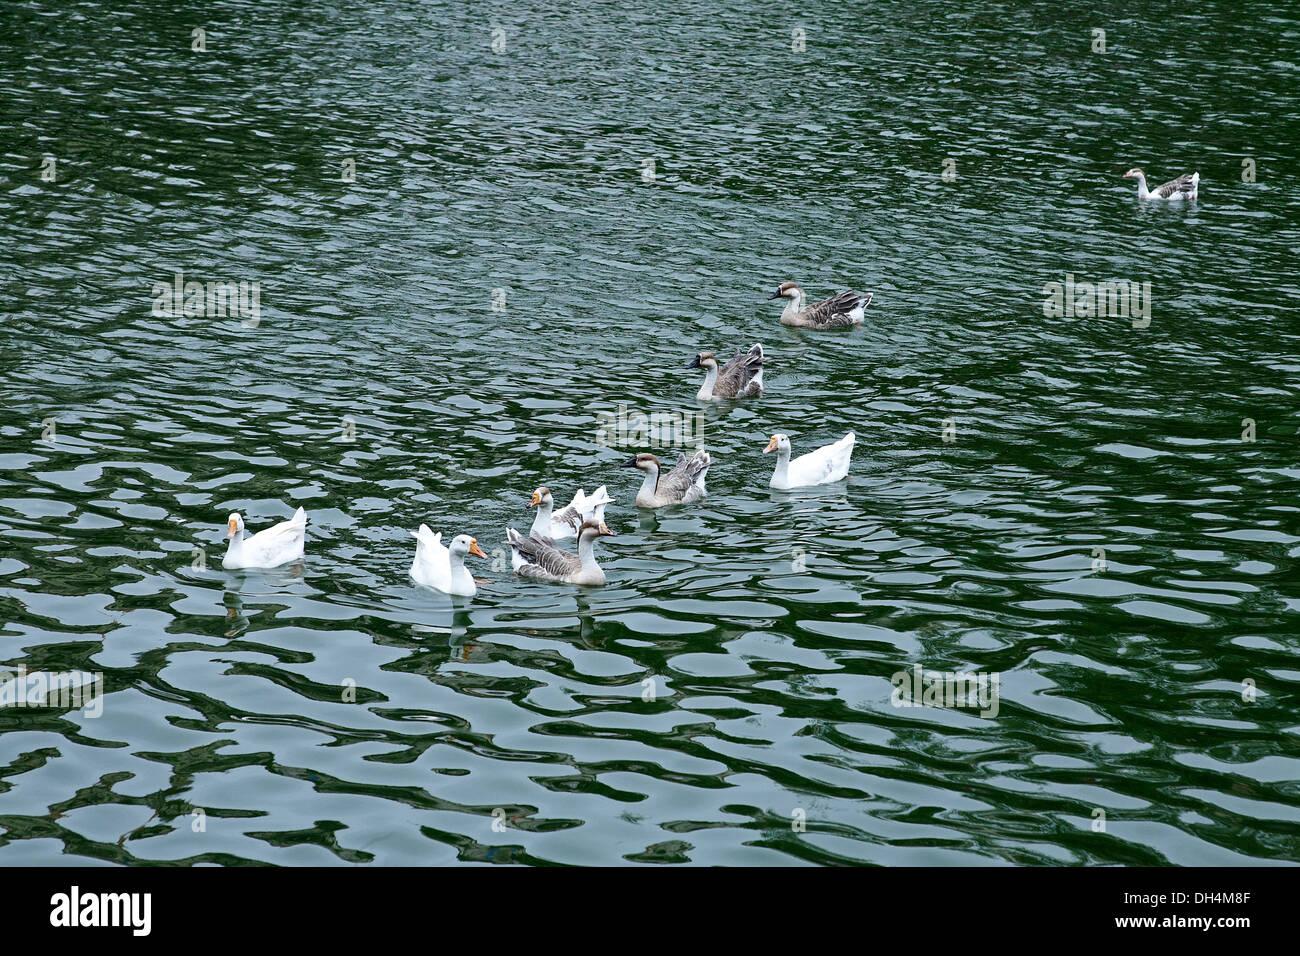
[605,532]
[630,463]
[771,445]
[232,528]
[1128,176]
[775,295]
[475,549]
[536,500]
[694,363]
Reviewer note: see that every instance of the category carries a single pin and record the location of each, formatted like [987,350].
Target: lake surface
[543,225]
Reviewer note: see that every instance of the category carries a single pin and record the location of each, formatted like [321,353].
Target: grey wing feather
[1183,184]
[542,558]
[569,516]
[832,312]
[677,482]
[735,376]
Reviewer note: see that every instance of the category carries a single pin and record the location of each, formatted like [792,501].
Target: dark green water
[1121,687]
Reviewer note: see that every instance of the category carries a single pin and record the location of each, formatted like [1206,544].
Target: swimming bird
[826,464]
[443,568]
[539,557]
[682,485]
[741,377]
[1184,187]
[566,522]
[270,547]
[841,311]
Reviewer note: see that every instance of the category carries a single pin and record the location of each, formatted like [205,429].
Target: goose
[826,464]
[682,485]
[443,568]
[1184,187]
[841,311]
[270,547]
[565,523]
[741,377]
[539,557]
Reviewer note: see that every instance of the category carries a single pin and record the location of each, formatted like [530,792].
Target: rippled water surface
[1100,531]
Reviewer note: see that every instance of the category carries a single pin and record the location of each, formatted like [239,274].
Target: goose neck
[795,306]
[542,522]
[710,379]
[650,483]
[587,552]
[782,472]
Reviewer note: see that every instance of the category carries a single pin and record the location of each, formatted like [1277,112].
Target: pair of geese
[742,375]
[538,556]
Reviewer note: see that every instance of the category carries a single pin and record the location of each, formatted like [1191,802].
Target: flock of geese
[537,555]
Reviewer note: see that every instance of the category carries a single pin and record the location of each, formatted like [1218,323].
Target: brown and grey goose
[740,377]
[538,557]
[841,311]
[682,485]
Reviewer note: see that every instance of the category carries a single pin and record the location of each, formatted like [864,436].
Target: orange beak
[232,529]
[536,500]
[771,445]
[475,549]
[604,530]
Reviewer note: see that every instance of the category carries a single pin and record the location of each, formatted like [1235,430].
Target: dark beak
[775,295]
[630,463]
[694,363]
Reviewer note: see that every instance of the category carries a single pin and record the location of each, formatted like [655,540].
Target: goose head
[234,524]
[463,544]
[593,529]
[705,360]
[786,290]
[541,496]
[777,441]
[1135,173]
[642,462]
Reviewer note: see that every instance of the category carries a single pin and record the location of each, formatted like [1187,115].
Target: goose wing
[735,376]
[432,563]
[1183,184]
[285,538]
[837,311]
[684,475]
[598,497]
[571,515]
[542,559]
[825,464]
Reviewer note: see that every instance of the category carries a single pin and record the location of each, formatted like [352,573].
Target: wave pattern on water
[1098,533]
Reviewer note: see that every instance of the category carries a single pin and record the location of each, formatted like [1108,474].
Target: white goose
[565,523]
[539,558]
[826,464]
[1184,187]
[270,547]
[443,568]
